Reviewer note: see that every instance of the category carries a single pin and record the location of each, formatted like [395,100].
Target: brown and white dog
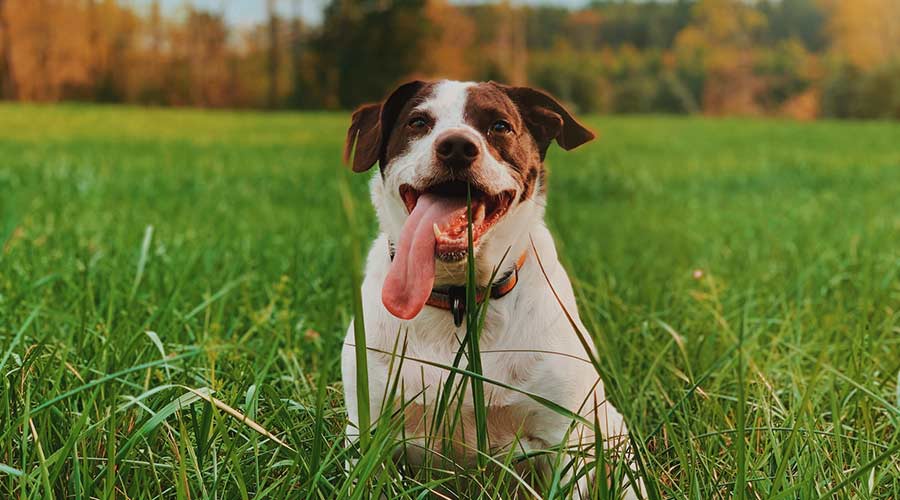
[430,140]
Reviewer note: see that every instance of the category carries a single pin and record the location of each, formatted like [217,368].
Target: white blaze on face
[448,106]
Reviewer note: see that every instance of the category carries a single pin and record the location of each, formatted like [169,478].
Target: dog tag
[458,305]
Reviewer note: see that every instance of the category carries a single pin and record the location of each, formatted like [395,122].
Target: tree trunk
[273,55]
[7,78]
[297,54]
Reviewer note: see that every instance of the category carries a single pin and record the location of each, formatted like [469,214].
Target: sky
[249,12]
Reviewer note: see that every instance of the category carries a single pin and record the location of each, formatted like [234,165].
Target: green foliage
[369,45]
[851,93]
[648,24]
[802,20]
[683,236]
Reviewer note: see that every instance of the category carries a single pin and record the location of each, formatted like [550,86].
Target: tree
[865,32]
[207,36]
[274,54]
[7,78]
[366,47]
[49,50]
[802,20]
[510,52]
[304,93]
[721,38]
[449,44]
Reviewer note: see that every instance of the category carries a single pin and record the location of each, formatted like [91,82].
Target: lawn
[741,277]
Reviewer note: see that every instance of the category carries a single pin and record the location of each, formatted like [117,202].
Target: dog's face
[435,141]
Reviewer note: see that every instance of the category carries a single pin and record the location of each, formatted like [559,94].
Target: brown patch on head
[409,125]
[518,124]
[373,126]
[490,111]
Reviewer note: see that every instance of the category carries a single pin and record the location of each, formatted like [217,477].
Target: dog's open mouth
[436,229]
[450,226]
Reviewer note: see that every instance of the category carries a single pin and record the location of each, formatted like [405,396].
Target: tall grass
[694,245]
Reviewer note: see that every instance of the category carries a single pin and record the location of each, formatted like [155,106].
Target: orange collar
[453,298]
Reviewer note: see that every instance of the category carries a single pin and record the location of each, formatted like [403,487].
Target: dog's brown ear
[547,119]
[371,125]
[363,137]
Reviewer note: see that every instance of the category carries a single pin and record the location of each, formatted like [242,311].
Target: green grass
[712,259]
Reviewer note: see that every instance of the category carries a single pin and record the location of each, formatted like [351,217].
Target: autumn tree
[510,55]
[449,45]
[865,32]
[7,79]
[721,38]
[206,39]
[111,42]
[48,47]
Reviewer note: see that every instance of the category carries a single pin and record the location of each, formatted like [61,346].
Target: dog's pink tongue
[411,275]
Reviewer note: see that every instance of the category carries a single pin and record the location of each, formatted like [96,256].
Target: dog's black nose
[456,151]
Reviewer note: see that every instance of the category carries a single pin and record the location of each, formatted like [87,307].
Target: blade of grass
[18,336]
[740,482]
[142,260]
[473,334]
[359,324]
[319,425]
[12,471]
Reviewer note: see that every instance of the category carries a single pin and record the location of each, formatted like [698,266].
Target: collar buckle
[457,295]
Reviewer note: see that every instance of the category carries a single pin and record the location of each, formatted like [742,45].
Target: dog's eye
[501,127]
[417,122]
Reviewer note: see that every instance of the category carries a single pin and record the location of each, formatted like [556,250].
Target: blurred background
[804,59]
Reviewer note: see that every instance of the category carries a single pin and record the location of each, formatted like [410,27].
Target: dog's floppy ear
[363,137]
[547,119]
[371,125]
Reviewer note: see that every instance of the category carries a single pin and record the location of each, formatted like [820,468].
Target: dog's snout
[457,150]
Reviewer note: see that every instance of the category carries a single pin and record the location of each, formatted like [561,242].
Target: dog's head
[435,141]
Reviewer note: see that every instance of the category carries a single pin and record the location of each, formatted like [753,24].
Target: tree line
[799,58]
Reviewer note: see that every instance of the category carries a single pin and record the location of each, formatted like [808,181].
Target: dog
[432,142]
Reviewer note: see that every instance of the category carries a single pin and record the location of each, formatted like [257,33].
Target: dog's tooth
[437,230]
[479,214]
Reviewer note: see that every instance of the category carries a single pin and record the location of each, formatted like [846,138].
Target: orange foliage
[448,52]
[715,56]
[865,31]
[803,106]
[47,59]
[722,37]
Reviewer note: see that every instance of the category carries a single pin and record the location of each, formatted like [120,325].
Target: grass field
[742,278]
